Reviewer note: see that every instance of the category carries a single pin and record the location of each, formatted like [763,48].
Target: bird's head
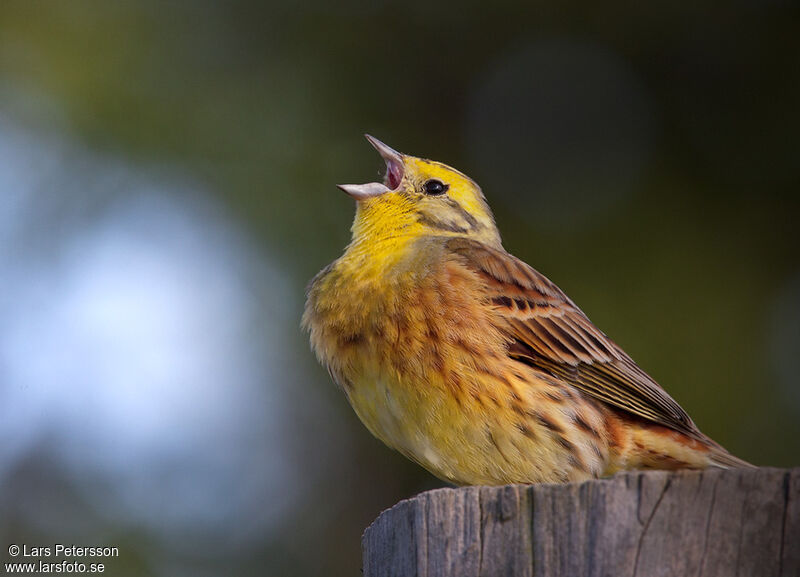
[420,197]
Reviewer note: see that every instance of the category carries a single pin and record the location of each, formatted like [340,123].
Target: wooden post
[691,523]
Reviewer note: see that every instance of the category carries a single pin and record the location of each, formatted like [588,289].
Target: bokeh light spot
[563,130]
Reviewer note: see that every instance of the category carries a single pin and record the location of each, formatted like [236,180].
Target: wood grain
[649,524]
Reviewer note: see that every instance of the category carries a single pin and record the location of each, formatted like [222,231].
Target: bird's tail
[658,447]
[719,457]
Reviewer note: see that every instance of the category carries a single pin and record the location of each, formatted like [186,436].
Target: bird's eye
[435,187]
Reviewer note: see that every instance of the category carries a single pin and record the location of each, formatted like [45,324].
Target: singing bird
[468,361]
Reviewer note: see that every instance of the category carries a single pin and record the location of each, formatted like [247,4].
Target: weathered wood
[699,524]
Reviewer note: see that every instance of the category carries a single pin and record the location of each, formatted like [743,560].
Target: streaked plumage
[471,363]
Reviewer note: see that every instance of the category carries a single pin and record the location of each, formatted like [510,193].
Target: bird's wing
[547,331]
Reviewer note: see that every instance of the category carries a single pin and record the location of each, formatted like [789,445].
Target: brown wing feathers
[552,334]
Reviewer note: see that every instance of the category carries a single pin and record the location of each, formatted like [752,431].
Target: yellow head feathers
[420,197]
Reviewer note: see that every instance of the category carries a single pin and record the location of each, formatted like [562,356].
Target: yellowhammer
[471,363]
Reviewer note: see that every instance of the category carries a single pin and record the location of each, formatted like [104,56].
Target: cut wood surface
[743,522]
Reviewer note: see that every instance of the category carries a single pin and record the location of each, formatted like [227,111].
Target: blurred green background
[167,178]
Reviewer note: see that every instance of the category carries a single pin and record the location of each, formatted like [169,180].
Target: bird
[470,362]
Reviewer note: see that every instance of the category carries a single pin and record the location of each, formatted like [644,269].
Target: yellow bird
[470,362]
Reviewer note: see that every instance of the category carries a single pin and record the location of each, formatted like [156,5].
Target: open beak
[394,173]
